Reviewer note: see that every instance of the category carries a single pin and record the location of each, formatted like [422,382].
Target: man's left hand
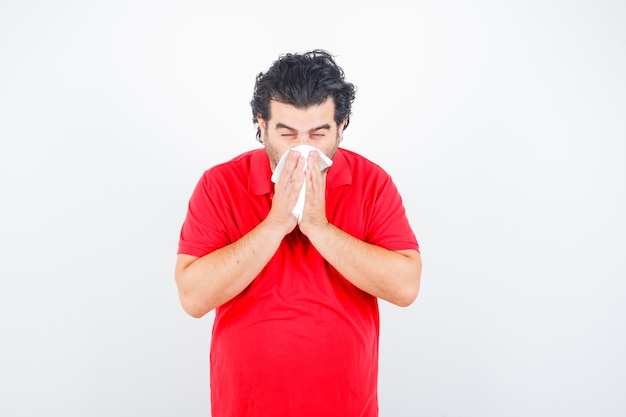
[314,212]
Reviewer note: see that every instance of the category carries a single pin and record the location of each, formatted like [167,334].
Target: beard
[274,154]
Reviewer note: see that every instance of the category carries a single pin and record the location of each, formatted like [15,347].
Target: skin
[210,281]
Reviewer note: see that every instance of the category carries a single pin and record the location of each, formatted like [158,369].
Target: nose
[303,138]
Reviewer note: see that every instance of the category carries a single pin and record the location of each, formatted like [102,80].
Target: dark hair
[303,80]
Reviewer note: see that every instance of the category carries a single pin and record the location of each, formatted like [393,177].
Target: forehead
[302,118]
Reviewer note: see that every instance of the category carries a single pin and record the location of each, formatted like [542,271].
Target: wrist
[316,231]
[279,226]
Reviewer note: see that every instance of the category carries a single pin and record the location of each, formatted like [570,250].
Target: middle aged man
[295,290]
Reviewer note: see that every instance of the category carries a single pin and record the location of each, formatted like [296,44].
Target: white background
[502,123]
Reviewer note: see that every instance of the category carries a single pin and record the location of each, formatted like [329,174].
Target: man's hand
[387,274]
[286,192]
[314,213]
[210,281]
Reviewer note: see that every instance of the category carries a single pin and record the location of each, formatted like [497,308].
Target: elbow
[411,288]
[196,314]
[192,307]
[408,295]
[188,294]
[189,300]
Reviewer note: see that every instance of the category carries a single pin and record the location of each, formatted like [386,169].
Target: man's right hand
[286,192]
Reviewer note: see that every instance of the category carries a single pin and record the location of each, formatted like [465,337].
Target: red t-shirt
[300,340]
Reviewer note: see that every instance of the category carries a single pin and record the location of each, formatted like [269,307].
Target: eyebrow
[284,126]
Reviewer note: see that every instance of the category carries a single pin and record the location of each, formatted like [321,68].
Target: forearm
[393,276]
[210,281]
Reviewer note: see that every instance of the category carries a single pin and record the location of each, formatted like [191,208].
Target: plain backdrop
[503,124]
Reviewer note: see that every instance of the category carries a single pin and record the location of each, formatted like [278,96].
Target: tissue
[304,150]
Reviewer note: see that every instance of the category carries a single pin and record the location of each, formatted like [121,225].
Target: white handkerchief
[304,150]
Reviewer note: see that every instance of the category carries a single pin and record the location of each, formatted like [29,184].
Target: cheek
[274,154]
[330,148]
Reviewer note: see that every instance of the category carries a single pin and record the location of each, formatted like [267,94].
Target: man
[296,323]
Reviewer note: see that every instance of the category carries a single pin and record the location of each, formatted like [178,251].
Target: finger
[290,163]
[314,160]
[315,178]
[315,173]
[296,178]
[293,165]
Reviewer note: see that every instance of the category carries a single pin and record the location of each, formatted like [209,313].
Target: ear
[262,127]
[341,127]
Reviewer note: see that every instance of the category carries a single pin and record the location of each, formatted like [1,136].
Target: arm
[212,280]
[393,276]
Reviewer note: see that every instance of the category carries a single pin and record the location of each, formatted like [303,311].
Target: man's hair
[303,80]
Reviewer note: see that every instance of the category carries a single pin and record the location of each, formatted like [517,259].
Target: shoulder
[361,167]
[247,172]
[237,167]
[241,162]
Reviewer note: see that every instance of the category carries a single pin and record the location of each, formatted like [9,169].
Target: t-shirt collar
[339,172]
[260,174]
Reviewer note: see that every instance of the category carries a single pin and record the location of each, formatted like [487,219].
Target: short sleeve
[388,224]
[203,230]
